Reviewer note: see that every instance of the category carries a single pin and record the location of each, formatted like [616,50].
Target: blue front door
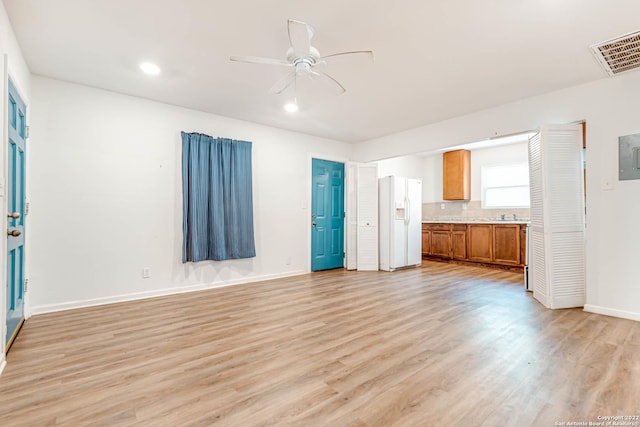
[327,215]
[15,212]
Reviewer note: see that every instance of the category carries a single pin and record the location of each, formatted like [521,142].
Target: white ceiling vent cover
[619,55]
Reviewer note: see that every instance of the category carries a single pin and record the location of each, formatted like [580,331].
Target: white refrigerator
[400,222]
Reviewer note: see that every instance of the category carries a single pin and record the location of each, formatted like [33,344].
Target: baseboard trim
[71,305]
[612,312]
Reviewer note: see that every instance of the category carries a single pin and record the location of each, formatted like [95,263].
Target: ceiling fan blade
[329,81]
[300,35]
[356,54]
[283,83]
[259,60]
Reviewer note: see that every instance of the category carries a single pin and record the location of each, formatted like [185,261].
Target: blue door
[15,212]
[327,215]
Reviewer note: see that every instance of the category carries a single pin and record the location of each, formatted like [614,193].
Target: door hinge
[27,131]
[26,285]
[26,208]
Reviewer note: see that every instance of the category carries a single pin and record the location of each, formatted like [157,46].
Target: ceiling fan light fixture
[291,107]
[150,68]
[303,58]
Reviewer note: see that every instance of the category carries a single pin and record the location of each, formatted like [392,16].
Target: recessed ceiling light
[149,68]
[291,107]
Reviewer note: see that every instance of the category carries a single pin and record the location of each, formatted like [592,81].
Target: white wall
[405,166]
[107,197]
[12,64]
[610,109]
[17,67]
[503,154]
[432,178]
[429,168]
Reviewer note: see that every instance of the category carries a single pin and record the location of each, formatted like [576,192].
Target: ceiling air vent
[619,55]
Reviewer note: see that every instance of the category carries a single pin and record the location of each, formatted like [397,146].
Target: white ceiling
[433,59]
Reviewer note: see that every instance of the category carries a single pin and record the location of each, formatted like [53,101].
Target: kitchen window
[505,186]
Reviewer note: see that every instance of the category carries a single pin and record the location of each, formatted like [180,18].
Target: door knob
[313,215]
[314,223]
[15,215]
[14,233]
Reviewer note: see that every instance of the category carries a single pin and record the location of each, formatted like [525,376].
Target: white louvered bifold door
[351,242]
[557,216]
[367,216]
[537,267]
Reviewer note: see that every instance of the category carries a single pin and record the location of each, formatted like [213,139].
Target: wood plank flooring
[444,345]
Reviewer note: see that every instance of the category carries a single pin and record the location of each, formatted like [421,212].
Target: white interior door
[351,232]
[367,216]
[557,216]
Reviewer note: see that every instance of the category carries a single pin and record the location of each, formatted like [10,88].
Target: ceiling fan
[304,59]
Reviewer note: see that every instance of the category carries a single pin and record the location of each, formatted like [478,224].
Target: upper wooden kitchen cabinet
[456,175]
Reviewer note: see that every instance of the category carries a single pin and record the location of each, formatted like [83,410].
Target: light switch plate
[607,184]
[629,157]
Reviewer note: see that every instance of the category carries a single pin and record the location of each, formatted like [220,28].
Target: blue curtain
[217,198]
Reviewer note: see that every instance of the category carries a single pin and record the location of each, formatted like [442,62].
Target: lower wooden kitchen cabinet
[459,241]
[506,244]
[440,241]
[426,241]
[481,242]
[523,245]
[487,243]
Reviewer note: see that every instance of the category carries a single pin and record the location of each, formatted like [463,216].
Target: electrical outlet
[288,261]
[146,272]
[442,205]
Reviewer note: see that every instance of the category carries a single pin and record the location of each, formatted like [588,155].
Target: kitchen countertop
[476,221]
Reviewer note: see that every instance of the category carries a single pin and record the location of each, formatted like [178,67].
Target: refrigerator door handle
[407,210]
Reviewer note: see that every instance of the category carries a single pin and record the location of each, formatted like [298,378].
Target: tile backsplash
[456,211]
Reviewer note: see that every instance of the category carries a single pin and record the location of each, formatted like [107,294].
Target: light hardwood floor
[444,345]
